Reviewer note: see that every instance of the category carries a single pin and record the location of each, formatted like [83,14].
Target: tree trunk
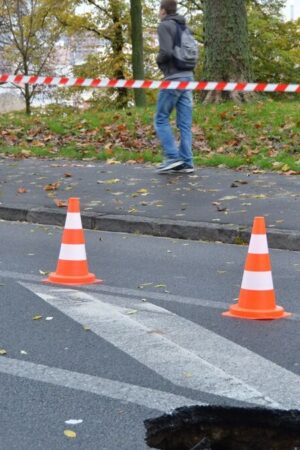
[27,99]
[26,91]
[227,55]
[118,48]
[137,49]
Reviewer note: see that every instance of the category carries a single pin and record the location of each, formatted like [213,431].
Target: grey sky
[287,10]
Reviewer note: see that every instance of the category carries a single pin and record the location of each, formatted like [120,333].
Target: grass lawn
[264,135]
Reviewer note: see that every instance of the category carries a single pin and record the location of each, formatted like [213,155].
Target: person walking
[169,33]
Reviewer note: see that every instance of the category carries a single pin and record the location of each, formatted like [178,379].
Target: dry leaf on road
[22,190]
[60,203]
[52,186]
[70,434]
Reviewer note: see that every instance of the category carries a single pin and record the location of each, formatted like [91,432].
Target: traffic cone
[72,266]
[257,295]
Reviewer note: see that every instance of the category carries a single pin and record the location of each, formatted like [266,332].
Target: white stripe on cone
[73,221]
[72,252]
[258,244]
[257,281]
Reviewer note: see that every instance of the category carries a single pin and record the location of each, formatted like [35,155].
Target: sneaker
[169,166]
[185,168]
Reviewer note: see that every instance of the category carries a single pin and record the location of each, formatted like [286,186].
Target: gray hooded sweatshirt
[166,35]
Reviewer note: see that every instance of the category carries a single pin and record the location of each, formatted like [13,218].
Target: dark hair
[170,6]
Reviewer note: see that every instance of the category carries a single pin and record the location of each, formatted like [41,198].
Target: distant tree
[274,44]
[28,38]
[108,20]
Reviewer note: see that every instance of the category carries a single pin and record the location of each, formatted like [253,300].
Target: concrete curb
[179,229]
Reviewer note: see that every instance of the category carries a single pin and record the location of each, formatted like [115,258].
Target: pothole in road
[224,428]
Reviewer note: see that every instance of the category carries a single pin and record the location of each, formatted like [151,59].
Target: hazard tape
[148,84]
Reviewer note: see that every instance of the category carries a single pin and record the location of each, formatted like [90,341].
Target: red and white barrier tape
[147,84]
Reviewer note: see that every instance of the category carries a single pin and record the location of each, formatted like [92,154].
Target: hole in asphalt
[224,428]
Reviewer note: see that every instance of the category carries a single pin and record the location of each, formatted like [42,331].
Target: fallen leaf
[259,196]
[187,374]
[156,332]
[160,286]
[37,317]
[43,273]
[3,352]
[67,175]
[229,197]
[131,312]
[52,186]
[112,181]
[60,203]
[26,153]
[70,434]
[241,181]
[22,190]
[86,328]
[112,161]
[292,172]
[141,286]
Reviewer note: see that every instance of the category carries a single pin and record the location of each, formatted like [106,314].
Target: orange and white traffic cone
[257,295]
[72,266]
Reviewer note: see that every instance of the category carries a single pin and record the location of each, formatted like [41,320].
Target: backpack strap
[179,29]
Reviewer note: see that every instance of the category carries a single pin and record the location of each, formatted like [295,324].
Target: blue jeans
[182,100]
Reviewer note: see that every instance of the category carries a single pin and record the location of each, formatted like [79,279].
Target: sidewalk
[211,204]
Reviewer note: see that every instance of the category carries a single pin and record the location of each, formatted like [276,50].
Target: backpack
[185,51]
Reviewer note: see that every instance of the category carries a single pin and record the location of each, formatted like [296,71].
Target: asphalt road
[149,339]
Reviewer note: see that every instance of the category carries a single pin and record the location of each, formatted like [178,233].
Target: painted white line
[274,381]
[150,398]
[151,348]
[129,292]
[150,295]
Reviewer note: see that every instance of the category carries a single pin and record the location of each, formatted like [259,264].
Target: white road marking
[150,295]
[168,358]
[282,385]
[150,398]
[125,291]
